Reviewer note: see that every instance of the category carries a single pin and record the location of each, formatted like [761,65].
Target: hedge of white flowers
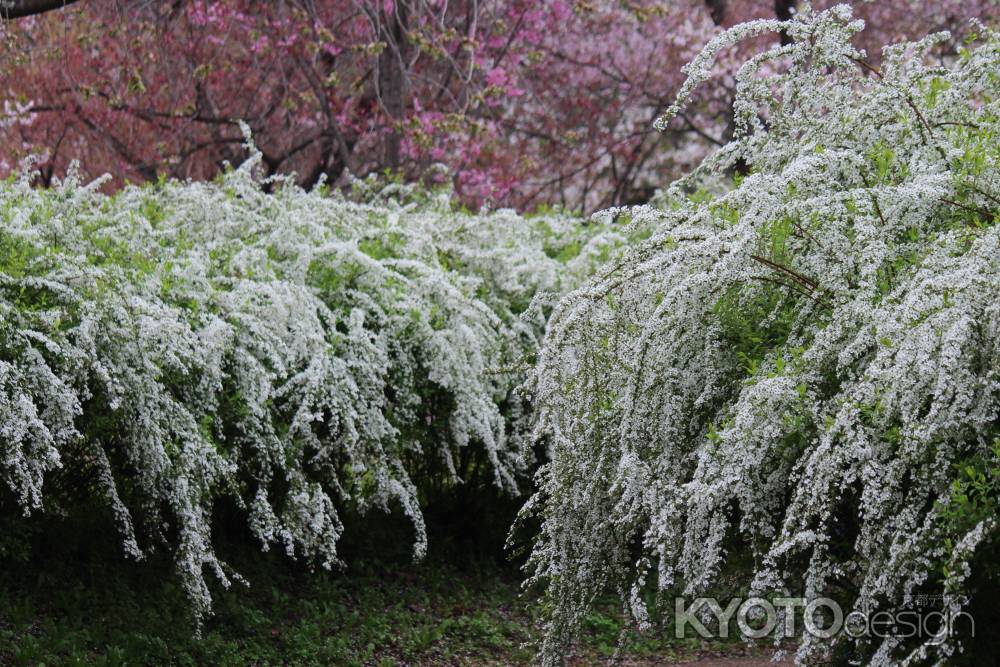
[292,351]
[802,370]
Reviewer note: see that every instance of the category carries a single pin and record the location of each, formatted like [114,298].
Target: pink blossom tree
[524,102]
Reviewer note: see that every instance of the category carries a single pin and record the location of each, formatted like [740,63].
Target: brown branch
[972,209]
[992,198]
[794,288]
[955,122]
[808,235]
[795,275]
[701,133]
[878,209]
[906,98]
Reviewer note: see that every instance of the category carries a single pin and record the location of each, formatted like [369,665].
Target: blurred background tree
[525,102]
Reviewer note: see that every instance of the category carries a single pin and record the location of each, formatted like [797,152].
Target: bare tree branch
[15,9]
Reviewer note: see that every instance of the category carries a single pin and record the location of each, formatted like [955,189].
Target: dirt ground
[756,659]
[760,661]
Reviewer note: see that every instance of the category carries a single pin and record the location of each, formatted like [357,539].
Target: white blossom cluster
[792,371]
[292,351]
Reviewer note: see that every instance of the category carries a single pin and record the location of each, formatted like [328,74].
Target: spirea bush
[801,371]
[297,353]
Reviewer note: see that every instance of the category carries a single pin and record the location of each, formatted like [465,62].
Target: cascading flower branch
[297,353]
[801,372]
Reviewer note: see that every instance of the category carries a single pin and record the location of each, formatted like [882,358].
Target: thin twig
[909,101]
[808,282]
[796,289]
[871,194]
[981,211]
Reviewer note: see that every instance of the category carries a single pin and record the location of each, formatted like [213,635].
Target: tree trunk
[717,10]
[784,10]
[392,81]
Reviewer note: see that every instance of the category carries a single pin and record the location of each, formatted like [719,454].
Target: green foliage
[974,495]
[382,613]
[78,603]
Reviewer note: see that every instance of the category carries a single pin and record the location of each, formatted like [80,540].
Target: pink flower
[496,77]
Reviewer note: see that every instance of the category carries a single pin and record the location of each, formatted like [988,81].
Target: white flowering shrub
[802,371]
[295,352]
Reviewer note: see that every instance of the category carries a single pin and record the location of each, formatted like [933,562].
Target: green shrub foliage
[802,370]
[295,352]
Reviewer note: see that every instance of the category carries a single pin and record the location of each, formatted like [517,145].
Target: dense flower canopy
[296,353]
[802,369]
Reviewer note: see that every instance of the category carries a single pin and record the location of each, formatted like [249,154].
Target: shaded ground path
[74,604]
[712,659]
[718,661]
